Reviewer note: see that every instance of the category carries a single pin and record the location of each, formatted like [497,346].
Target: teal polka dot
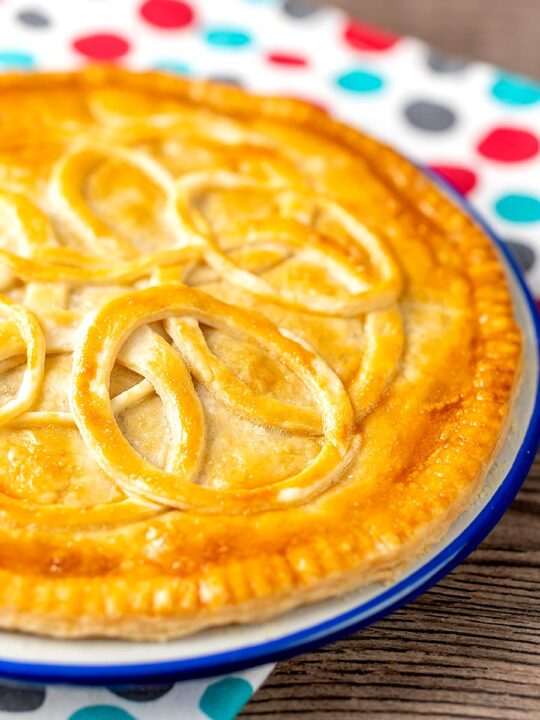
[173,66]
[224,699]
[228,38]
[519,208]
[101,712]
[516,90]
[360,81]
[11,59]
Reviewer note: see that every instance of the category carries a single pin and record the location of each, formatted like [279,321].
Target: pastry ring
[94,358]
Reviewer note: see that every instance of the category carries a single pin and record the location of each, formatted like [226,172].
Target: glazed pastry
[250,358]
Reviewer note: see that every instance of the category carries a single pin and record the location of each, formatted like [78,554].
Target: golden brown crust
[426,441]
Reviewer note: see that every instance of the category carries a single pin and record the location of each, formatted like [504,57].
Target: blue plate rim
[332,629]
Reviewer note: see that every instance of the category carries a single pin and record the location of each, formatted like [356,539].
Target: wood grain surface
[470,647]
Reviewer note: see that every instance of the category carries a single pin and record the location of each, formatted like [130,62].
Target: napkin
[474,124]
[218,698]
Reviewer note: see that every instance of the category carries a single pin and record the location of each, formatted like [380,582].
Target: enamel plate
[105,662]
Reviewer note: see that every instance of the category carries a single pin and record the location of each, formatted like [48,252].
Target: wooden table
[470,647]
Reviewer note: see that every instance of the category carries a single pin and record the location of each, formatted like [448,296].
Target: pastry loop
[231,390]
[68,198]
[115,322]
[42,260]
[192,229]
[32,336]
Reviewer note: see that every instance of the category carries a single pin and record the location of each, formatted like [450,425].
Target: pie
[250,358]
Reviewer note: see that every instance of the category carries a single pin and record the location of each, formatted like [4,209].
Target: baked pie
[250,358]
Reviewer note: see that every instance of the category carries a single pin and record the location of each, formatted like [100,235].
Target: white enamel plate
[222,650]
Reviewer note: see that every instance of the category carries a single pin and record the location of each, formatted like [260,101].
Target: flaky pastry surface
[249,358]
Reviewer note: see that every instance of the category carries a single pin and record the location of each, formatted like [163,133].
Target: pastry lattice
[123,328]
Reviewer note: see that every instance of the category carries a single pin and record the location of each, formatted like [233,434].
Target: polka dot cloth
[218,698]
[167,14]
[476,126]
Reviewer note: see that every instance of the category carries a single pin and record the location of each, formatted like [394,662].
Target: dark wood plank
[469,648]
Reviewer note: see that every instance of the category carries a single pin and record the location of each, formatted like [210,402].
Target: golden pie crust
[250,358]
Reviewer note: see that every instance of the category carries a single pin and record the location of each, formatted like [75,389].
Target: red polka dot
[280,58]
[366,37]
[102,46]
[507,144]
[167,14]
[460,178]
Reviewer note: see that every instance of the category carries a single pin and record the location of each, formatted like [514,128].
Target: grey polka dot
[523,254]
[226,80]
[441,63]
[142,694]
[430,116]
[20,698]
[33,18]
[299,9]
